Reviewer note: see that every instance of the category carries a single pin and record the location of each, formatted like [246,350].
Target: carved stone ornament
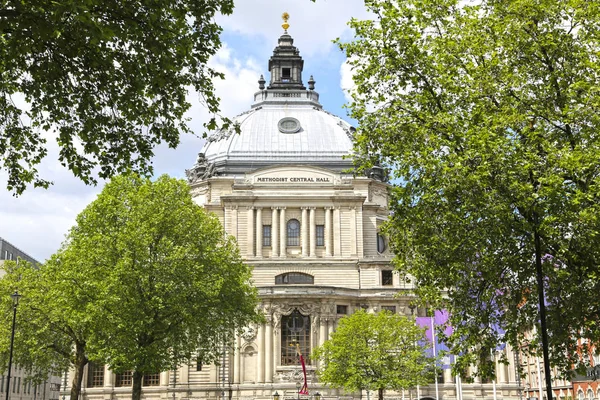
[201,170]
[249,333]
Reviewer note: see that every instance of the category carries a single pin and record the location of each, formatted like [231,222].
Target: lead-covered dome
[286,125]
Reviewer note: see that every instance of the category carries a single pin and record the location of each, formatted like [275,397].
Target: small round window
[380,243]
[289,125]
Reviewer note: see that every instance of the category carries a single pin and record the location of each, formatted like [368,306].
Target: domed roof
[286,125]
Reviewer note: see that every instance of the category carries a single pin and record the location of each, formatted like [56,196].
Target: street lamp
[15,298]
[317,396]
[298,389]
[275,396]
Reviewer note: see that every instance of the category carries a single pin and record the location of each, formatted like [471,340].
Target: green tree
[166,278]
[487,114]
[110,78]
[374,352]
[144,281]
[53,324]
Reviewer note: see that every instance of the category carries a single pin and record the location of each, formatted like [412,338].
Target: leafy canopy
[487,114]
[108,78]
[168,280]
[374,352]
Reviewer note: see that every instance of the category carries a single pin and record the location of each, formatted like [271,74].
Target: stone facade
[311,230]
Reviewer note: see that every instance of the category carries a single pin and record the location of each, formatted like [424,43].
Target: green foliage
[44,333]
[109,78]
[144,280]
[166,279]
[374,352]
[487,112]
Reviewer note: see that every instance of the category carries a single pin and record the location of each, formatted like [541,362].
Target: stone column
[109,377]
[328,246]
[269,350]
[353,232]
[282,233]
[274,233]
[164,378]
[234,221]
[313,232]
[337,244]
[322,330]
[331,326]
[259,232]
[261,354]
[304,230]
[237,359]
[448,378]
[250,232]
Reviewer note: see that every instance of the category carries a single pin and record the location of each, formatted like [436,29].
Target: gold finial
[285,16]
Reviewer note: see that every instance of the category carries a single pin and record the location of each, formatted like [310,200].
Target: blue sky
[37,221]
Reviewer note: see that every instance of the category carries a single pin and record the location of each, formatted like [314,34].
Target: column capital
[274,208]
[328,207]
[305,208]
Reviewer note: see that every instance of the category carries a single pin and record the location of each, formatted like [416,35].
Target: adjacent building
[20,387]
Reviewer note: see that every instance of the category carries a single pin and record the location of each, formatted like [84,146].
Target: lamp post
[15,298]
[275,396]
[298,389]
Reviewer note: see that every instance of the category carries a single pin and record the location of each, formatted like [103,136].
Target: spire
[286,64]
[285,16]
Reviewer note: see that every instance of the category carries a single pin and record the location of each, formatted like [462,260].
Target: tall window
[387,278]
[295,329]
[266,235]
[293,232]
[320,235]
[95,377]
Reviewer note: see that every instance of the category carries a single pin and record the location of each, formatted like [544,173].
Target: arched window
[294,278]
[580,394]
[295,331]
[590,394]
[293,232]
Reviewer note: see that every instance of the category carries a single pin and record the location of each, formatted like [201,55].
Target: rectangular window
[18,385]
[320,235]
[95,377]
[391,309]
[151,380]
[286,73]
[2,384]
[14,383]
[198,364]
[387,278]
[342,309]
[124,379]
[266,235]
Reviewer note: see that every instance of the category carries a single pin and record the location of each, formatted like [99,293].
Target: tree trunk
[136,392]
[79,364]
[380,393]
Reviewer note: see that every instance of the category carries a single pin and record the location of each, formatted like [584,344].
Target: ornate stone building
[283,187]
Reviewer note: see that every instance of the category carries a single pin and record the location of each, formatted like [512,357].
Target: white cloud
[37,221]
[312,25]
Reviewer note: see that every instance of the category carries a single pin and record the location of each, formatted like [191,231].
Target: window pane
[293,232]
[381,245]
[342,309]
[151,380]
[391,309]
[320,235]
[295,329]
[386,278]
[95,375]
[266,235]
[124,379]
[294,278]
